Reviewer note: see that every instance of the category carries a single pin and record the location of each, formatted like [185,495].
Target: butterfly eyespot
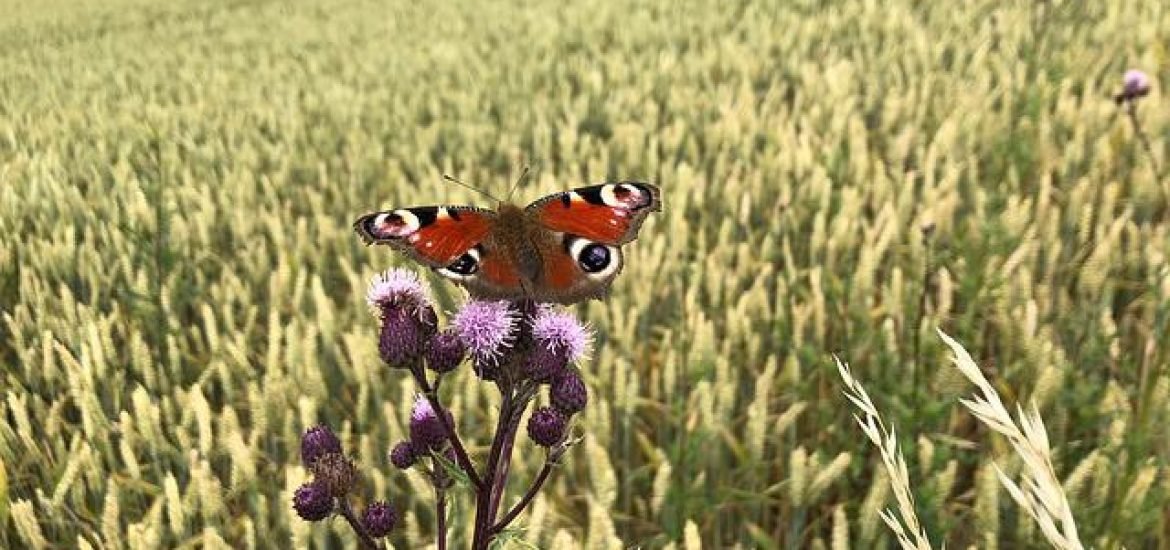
[598,261]
[594,258]
[467,264]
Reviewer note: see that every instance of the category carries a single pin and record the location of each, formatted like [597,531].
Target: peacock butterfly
[563,248]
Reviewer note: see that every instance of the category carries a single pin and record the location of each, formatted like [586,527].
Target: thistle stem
[483,513]
[432,396]
[520,506]
[1131,112]
[366,540]
[500,477]
[440,518]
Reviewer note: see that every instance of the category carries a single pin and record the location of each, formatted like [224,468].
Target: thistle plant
[519,347]
[1135,85]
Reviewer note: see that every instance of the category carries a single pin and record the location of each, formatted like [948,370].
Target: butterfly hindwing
[586,228]
[437,236]
[610,213]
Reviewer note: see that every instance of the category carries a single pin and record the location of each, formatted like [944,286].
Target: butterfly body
[564,248]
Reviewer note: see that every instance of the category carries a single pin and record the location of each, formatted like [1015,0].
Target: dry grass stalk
[905,524]
[1041,494]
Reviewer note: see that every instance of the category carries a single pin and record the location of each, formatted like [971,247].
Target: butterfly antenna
[453,179]
[519,180]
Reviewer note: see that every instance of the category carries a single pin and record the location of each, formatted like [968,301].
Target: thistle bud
[312,501]
[403,455]
[316,442]
[336,472]
[546,427]
[445,351]
[379,519]
[426,429]
[569,394]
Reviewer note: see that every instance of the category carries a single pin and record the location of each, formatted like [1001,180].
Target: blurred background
[181,293]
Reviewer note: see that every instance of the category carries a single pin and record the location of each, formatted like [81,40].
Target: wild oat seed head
[316,442]
[312,501]
[487,328]
[560,330]
[403,455]
[379,519]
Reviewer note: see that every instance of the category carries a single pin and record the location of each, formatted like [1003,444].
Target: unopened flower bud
[546,427]
[336,472]
[312,501]
[569,394]
[316,442]
[445,351]
[379,519]
[403,455]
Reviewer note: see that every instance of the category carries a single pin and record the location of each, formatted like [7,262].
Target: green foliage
[181,293]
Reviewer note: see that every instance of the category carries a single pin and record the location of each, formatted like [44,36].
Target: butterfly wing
[585,228]
[456,241]
[436,236]
[609,213]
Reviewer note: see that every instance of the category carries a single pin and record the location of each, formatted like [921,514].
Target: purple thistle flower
[397,287]
[379,519]
[445,351]
[426,429]
[559,330]
[403,455]
[403,303]
[312,501]
[569,394]
[487,328]
[316,442]
[1134,84]
[336,473]
[546,427]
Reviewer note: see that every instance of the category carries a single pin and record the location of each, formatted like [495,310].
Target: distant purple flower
[312,501]
[487,328]
[316,442]
[379,519]
[1134,84]
[336,472]
[426,429]
[445,351]
[569,394]
[399,288]
[546,427]
[561,331]
[403,455]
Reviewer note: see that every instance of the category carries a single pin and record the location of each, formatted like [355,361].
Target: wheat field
[181,294]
